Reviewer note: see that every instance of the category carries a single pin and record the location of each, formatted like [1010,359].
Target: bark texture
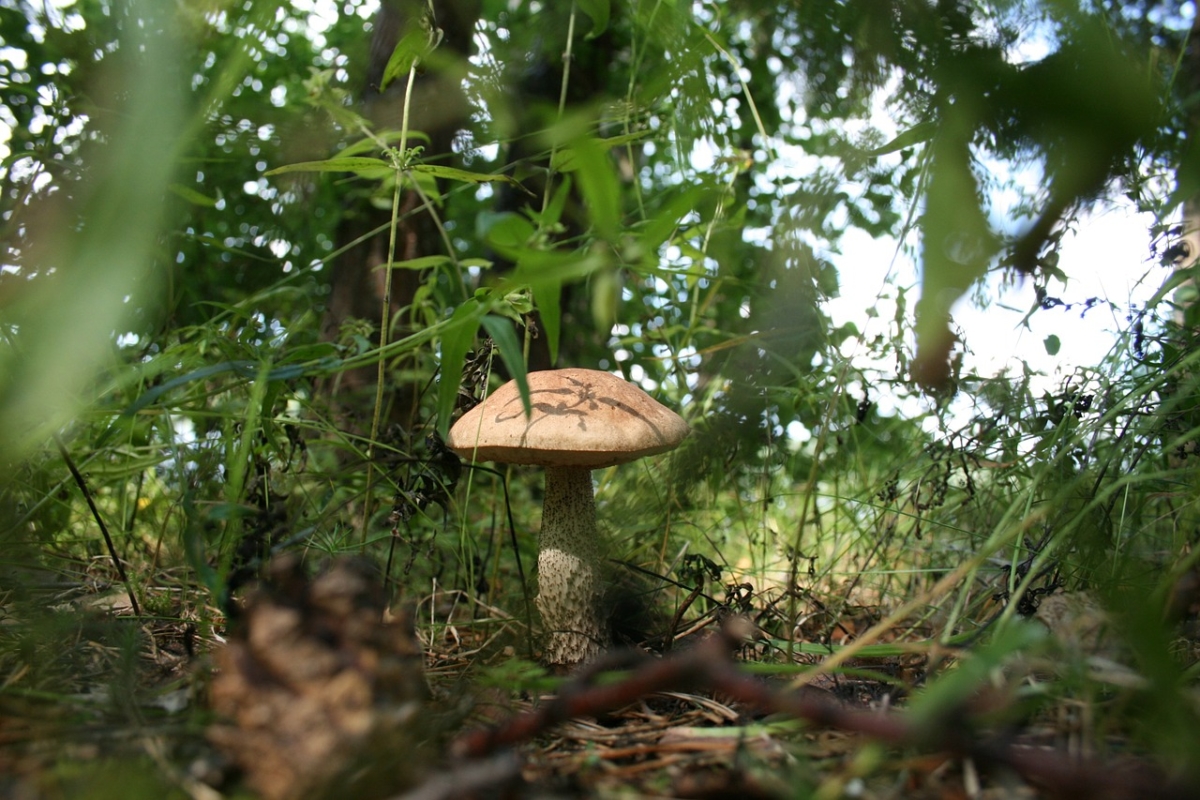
[1189,240]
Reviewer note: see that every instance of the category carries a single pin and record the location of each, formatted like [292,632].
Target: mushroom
[581,419]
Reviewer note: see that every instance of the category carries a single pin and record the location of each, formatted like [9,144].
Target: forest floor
[311,689]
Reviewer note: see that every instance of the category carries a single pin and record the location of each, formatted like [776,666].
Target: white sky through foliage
[1105,254]
[1106,258]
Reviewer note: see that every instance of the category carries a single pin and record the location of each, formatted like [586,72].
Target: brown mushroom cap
[581,418]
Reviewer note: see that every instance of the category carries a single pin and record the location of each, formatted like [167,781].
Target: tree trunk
[1185,248]
[438,109]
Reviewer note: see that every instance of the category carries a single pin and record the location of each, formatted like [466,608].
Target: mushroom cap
[580,418]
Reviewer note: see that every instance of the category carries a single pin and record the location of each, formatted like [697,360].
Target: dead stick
[87,495]
[588,700]
[709,665]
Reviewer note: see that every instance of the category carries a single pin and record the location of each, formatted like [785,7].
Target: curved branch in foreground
[710,666]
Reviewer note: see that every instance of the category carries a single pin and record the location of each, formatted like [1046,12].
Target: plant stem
[562,105]
[386,314]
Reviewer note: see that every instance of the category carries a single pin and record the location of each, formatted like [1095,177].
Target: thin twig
[112,550]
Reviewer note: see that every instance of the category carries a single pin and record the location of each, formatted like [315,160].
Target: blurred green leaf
[604,289]
[565,158]
[598,10]
[509,234]
[956,248]
[423,262]
[663,224]
[94,268]
[501,331]
[549,219]
[456,340]
[546,272]
[589,162]
[547,294]
[946,696]
[412,48]
[917,134]
[192,196]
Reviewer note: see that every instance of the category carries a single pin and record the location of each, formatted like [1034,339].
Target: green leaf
[411,48]
[947,696]
[605,292]
[564,159]
[255,409]
[424,262]
[921,132]
[1052,344]
[844,332]
[508,233]
[370,143]
[593,169]
[598,10]
[502,333]
[244,369]
[452,174]
[551,215]
[517,304]
[427,185]
[196,551]
[662,225]
[367,167]
[457,338]
[191,195]
[548,296]
[126,465]
[545,272]
[957,246]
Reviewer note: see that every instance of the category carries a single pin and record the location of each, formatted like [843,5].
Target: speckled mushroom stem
[568,568]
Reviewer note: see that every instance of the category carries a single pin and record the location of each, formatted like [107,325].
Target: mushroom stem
[568,568]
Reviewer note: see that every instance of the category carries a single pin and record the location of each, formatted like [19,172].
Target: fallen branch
[709,665]
[499,770]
